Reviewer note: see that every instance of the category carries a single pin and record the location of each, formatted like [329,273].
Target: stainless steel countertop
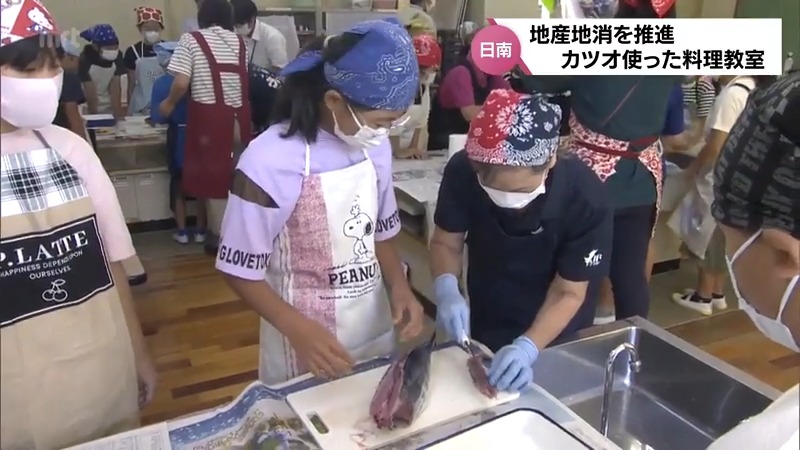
[542,401]
[680,344]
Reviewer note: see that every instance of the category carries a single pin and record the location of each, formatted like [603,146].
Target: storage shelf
[320,11]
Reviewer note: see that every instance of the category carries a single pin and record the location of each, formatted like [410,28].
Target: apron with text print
[147,70]
[324,265]
[68,373]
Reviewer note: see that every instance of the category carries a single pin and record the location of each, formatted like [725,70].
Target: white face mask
[151,37]
[30,103]
[365,138]
[109,55]
[243,30]
[513,200]
[773,329]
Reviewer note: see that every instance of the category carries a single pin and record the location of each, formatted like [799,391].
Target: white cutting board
[343,404]
[520,430]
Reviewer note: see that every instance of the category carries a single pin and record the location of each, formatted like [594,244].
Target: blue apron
[509,272]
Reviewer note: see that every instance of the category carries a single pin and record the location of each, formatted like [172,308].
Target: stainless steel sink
[682,398]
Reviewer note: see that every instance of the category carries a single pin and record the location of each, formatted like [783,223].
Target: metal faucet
[635,365]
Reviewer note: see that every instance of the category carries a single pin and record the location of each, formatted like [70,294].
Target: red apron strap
[242,52]
[213,66]
[244,72]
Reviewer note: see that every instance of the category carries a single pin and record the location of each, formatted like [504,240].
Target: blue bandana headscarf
[164,51]
[102,34]
[380,72]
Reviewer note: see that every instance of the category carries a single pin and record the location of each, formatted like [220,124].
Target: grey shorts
[714,260]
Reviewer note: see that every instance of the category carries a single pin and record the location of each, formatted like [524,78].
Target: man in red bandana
[538,231]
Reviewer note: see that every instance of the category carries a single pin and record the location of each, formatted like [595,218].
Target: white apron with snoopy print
[324,265]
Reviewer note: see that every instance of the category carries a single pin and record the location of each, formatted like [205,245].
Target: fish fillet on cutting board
[343,404]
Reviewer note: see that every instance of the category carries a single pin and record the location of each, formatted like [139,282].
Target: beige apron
[68,373]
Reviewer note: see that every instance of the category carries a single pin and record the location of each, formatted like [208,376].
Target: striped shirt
[189,60]
[699,93]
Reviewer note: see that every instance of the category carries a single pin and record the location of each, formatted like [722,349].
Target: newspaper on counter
[154,437]
[258,419]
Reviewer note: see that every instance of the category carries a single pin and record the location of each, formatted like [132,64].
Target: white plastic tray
[523,429]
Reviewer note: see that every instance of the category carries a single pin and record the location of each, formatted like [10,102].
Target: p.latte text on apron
[68,371]
[58,268]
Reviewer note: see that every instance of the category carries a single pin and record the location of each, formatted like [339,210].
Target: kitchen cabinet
[143,194]
[152,196]
[125,186]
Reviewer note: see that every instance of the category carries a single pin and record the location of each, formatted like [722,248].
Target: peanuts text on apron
[68,372]
[147,70]
[324,265]
[211,130]
[101,77]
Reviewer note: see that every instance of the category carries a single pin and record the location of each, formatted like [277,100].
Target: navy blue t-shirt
[575,200]
[674,123]
[264,86]
[71,92]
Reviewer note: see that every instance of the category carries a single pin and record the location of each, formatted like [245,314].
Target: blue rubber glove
[452,312]
[512,366]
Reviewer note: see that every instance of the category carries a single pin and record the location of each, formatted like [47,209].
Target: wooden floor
[205,341]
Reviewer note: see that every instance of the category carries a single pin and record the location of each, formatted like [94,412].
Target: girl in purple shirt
[312,209]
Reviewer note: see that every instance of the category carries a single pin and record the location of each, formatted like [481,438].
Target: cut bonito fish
[403,390]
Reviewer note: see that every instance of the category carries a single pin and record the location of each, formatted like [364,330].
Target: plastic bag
[693,223]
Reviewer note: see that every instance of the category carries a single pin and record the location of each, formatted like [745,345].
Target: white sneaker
[181,237]
[685,300]
[200,238]
[719,303]
[604,319]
